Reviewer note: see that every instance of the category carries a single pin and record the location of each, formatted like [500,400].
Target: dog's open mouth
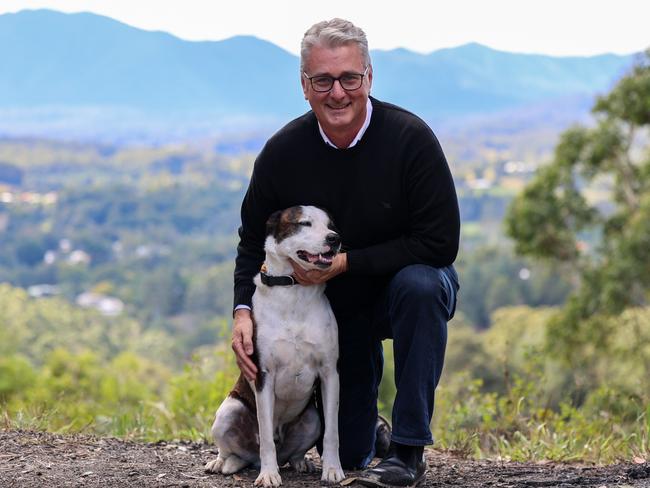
[324,259]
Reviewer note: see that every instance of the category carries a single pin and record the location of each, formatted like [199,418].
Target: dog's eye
[306,223]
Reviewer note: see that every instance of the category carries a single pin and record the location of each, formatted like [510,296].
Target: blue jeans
[413,310]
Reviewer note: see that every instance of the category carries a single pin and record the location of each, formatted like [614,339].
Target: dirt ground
[38,459]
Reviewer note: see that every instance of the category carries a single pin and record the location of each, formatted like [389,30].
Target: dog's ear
[272,222]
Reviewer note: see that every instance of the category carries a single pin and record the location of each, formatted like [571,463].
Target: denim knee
[418,280]
[423,284]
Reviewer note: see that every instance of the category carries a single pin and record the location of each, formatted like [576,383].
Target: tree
[30,252]
[606,246]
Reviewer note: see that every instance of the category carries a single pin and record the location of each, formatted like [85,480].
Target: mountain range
[87,68]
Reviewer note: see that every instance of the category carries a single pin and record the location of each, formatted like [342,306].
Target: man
[380,171]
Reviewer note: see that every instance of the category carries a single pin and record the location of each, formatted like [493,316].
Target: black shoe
[382,441]
[403,466]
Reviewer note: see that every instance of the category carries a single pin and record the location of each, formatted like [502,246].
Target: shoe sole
[376,483]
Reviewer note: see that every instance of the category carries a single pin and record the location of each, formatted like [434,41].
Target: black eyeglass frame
[311,78]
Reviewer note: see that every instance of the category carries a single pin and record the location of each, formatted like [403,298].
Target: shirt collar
[359,135]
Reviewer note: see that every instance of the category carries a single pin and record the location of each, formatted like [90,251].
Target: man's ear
[305,85]
[272,222]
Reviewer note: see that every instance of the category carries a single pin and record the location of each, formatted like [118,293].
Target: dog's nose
[333,239]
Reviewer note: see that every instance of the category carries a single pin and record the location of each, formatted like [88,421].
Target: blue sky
[557,27]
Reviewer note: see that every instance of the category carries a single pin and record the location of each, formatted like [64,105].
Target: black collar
[269,280]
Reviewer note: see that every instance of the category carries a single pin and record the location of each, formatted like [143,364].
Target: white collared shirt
[359,135]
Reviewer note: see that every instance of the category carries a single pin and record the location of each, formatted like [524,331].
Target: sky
[555,27]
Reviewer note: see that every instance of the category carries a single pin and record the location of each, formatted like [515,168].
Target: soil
[39,459]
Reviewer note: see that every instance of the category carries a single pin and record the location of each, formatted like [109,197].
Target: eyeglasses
[348,81]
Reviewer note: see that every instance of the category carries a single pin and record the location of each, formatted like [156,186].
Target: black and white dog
[296,343]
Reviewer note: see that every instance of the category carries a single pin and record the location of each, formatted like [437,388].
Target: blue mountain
[75,61]
[50,58]
[472,78]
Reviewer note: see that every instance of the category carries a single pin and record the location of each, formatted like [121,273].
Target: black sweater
[392,198]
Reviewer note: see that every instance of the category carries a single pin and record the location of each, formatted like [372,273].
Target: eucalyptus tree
[604,243]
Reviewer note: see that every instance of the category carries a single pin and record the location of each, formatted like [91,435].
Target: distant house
[73,257]
[65,245]
[145,251]
[6,197]
[519,167]
[44,290]
[49,257]
[79,257]
[480,184]
[106,305]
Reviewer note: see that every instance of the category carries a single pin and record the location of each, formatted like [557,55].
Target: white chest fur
[296,339]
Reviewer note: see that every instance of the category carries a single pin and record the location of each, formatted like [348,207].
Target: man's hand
[242,342]
[318,276]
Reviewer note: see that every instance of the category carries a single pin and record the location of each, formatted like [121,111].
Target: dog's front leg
[332,471]
[265,400]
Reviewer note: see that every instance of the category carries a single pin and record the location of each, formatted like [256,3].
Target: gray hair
[333,33]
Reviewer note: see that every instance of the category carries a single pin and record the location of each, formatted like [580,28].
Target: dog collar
[269,280]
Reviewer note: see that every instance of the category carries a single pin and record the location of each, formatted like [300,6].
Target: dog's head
[303,234]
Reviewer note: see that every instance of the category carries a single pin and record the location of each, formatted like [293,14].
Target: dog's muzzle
[324,260]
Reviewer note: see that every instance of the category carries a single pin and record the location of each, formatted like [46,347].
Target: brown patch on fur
[260,380]
[245,431]
[242,391]
[283,224]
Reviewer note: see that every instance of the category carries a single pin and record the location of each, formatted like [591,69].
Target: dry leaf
[348,481]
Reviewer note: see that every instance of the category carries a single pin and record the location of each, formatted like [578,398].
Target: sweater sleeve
[433,219]
[258,204]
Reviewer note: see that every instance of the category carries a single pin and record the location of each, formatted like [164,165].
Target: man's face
[338,111]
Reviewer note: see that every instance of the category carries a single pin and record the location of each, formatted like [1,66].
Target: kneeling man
[381,173]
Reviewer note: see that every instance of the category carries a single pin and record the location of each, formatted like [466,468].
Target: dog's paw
[214,466]
[268,479]
[332,474]
[303,465]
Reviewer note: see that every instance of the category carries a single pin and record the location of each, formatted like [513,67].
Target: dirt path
[37,459]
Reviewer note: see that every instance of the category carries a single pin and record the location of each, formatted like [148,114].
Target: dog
[296,343]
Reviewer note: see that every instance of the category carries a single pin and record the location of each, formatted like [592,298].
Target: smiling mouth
[338,108]
[323,260]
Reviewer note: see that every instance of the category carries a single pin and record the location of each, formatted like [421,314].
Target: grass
[468,422]
[513,427]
